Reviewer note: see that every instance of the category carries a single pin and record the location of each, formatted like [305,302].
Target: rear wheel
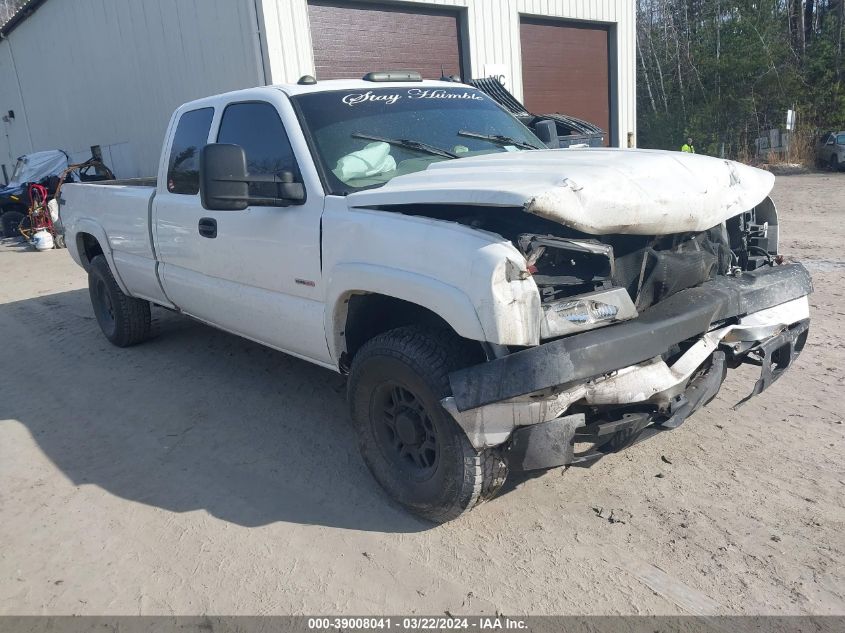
[413,447]
[834,163]
[123,319]
[10,221]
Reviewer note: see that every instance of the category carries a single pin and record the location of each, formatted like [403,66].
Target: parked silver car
[830,152]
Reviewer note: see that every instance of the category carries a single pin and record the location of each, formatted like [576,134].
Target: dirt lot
[203,473]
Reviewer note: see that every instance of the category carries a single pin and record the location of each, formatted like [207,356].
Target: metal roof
[23,12]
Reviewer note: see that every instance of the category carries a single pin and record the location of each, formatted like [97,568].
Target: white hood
[596,191]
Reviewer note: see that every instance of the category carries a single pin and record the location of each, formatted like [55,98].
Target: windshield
[364,138]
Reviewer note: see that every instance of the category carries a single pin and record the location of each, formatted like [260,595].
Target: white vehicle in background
[492,301]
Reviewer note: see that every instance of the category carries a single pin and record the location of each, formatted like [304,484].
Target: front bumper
[759,317]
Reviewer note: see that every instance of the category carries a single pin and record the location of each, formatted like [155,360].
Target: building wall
[491,41]
[111,73]
[13,134]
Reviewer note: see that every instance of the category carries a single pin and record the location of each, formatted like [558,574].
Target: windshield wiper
[417,146]
[499,139]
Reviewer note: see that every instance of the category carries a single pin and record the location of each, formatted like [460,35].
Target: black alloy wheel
[405,431]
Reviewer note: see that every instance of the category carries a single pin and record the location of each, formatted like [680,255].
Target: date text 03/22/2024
[418,623]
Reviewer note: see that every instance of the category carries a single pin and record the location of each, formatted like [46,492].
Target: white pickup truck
[496,304]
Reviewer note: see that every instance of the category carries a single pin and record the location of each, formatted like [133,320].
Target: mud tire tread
[132,317]
[432,354]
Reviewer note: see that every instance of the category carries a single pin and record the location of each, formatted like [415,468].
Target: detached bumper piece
[775,356]
[552,443]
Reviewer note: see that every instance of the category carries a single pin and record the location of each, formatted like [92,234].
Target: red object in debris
[39,215]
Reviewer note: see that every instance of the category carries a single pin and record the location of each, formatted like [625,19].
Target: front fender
[346,279]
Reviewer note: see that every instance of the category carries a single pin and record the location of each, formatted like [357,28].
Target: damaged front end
[639,333]
[657,272]
[589,283]
[613,408]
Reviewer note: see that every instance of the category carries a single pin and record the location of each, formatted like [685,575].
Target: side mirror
[289,189]
[224,181]
[546,131]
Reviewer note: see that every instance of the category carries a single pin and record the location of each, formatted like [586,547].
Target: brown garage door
[566,70]
[352,39]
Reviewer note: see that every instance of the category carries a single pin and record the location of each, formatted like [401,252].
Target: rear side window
[840,139]
[257,128]
[183,170]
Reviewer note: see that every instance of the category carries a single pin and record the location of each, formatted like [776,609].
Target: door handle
[208,227]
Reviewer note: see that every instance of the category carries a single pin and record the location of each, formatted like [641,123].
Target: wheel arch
[89,240]
[366,300]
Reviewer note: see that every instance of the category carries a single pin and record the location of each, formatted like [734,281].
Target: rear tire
[123,319]
[412,446]
[9,222]
[834,163]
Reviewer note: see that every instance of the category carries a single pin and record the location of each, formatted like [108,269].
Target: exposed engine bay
[567,263]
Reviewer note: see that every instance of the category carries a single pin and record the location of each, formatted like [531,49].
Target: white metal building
[81,73]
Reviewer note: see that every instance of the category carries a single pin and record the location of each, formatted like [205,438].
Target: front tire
[412,446]
[123,319]
[834,163]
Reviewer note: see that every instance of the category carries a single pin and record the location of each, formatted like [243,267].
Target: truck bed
[117,214]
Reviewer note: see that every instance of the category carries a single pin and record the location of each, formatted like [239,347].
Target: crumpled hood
[596,191]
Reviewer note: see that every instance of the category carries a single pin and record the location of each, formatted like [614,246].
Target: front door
[254,272]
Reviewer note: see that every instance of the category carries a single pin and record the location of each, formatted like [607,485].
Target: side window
[840,139]
[257,128]
[183,170]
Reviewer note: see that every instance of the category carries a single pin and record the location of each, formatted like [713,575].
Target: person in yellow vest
[688,147]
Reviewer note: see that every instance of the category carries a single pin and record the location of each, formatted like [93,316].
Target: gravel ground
[203,473]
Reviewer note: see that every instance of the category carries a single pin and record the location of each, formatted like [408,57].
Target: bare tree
[809,7]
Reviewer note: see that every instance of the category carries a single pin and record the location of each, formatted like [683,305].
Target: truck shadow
[195,419]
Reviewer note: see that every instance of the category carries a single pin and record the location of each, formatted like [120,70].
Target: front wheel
[834,163]
[412,446]
[123,319]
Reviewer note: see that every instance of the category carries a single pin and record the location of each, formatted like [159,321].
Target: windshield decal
[355,98]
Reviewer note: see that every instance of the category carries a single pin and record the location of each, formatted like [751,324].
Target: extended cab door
[254,272]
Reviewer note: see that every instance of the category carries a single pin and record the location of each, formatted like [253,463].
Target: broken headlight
[564,267]
[585,312]
[575,280]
